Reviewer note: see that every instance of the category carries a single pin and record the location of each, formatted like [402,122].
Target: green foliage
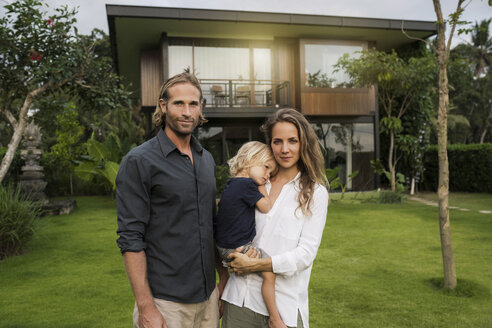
[58,177]
[221,176]
[470,168]
[404,93]
[470,79]
[334,179]
[390,124]
[378,167]
[319,80]
[389,197]
[15,168]
[102,159]
[44,54]
[18,217]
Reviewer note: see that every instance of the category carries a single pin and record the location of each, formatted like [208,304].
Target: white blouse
[292,242]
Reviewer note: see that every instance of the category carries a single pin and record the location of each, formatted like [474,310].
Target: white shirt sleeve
[301,257]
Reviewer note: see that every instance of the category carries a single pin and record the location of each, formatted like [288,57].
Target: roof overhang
[135,28]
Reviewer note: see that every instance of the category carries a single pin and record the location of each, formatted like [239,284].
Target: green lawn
[374,269]
[473,201]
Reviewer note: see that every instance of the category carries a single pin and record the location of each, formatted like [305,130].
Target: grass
[381,266]
[378,266]
[472,201]
[73,275]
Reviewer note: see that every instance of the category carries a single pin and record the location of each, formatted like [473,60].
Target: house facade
[250,64]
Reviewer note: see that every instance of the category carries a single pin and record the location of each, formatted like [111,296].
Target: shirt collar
[167,146]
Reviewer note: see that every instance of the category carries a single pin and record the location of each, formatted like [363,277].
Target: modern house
[250,64]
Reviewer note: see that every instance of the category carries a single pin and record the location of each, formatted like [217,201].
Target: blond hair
[159,116]
[311,161]
[250,154]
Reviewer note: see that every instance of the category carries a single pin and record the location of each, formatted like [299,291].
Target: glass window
[262,64]
[180,58]
[222,63]
[350,147]
[319,64]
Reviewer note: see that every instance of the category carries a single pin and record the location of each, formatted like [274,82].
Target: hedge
[470,168]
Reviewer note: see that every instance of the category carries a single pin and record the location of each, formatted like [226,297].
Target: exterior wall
[150,77]
[285,63]
[347,102]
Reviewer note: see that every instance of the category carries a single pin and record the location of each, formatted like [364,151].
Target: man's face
[183,109]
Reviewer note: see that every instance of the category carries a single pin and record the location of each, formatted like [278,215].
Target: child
[235,221]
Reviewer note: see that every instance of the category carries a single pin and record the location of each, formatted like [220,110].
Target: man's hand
[150,317]
[223,277]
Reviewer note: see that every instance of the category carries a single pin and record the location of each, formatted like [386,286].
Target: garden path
[435,204]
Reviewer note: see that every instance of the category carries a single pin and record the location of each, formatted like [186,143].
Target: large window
[319,58]
[216,60]
[350,147]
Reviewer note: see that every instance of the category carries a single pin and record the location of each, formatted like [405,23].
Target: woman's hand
[244,263]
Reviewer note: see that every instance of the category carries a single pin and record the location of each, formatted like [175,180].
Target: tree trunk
[443,189]
[484,132]
[390,162]
[18,131]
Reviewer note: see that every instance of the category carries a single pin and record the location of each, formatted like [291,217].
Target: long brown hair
[159,116]
[311,162]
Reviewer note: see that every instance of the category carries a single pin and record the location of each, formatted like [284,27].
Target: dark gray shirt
[165,207]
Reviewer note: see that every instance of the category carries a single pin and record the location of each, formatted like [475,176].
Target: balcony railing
[245,93]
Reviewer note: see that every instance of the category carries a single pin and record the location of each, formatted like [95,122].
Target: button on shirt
[292,242]
[165,207]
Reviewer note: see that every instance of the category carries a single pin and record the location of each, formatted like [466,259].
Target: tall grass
[18,215]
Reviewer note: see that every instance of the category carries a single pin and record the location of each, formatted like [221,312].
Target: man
[165,205]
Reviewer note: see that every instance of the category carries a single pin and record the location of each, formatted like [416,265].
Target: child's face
[261,173]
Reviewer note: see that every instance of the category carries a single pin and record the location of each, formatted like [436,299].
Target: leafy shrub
[18,216]
[470,168]
[57,174]
[390,197]
[221,176]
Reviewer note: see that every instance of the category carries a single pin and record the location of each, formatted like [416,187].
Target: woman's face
[285,144]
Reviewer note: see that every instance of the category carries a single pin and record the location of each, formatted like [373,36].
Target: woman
[289,234]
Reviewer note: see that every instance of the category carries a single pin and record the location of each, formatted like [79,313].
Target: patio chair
[219,98]
[242,96]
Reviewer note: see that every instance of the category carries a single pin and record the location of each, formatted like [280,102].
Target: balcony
[244,97]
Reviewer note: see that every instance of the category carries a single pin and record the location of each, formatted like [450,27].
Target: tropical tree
[442,50]
[401,84]
[469,78]
[68,136]
[481,50]
[40,54]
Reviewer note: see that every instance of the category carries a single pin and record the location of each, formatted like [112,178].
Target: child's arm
[264,204]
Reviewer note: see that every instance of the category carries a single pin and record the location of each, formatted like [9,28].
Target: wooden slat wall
[150,77]
[338,103]
[286,50]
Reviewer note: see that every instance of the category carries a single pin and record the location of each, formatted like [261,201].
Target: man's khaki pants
[181,315]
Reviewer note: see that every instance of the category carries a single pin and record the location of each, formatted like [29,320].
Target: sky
[92,13]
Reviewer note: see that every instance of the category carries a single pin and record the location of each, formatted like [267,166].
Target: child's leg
[268,292]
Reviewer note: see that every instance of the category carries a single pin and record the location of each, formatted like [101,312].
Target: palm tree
[482,47]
